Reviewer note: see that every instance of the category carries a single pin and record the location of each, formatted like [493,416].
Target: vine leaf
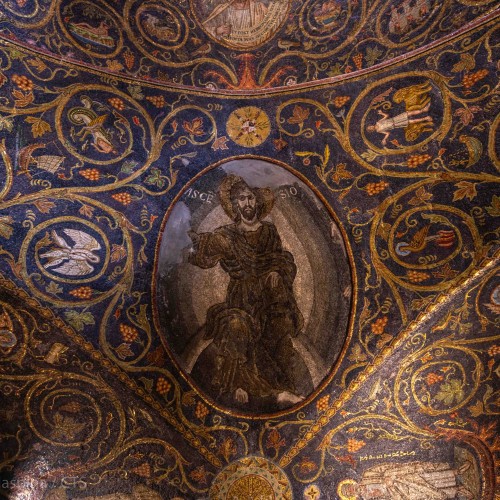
[466,115]
[6,124]
[372,54]
[44,206]
[142,318]
[494,208]
[194,127]
[357,355]
[365,313]
[299,115]
[220,143]
[436,219]
[78,320]
[450,391]
[53,288]
[369,155]
[465,189]
[123,351]
[466,63]
[128,167]
[87,211]
[384,230]
[476,409]
[39,127]
[155,178]
[384,339]
[21,99]
[118,252]
[421,197]
[38,64]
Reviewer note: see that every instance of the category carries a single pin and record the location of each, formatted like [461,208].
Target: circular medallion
[251,477]
[251,486]
[248,126]
[238,24]
[91,28]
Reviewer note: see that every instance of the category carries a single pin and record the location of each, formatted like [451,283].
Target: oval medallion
[253,286]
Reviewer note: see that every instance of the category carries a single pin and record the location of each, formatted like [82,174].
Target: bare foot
[288,398]
[241,395]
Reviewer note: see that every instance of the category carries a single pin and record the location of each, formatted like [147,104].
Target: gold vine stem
[313,56]
[53,375]
[9,178]
[268,426]
[40,23]
[444,343]
[339,134]
[441,305]
[166,413]
[325,443]
[180,461]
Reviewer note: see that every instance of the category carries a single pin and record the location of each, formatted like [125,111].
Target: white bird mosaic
[73,260]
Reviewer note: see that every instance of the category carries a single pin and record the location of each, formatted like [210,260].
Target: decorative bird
[203,50]
[287,44]
[78,257]
[93,125]
[444,238]
[154,27]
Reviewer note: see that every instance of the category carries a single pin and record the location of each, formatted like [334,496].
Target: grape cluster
[129,59]
[157,100]
[340,100]
[322,403]
[129,333]
[494,350]
[83,292]
[117,103]
[373,188]
[123,198]
[416,160]
[379,325]
[470,79]
[201,411]
[162,386]
[354,445]
[358,60]
[23,82]
[433,378]
[92,174]
[416,276]
[143,470]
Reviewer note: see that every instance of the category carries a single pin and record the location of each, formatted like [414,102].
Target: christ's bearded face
[247,204]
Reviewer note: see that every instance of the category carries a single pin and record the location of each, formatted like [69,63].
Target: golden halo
[265,194]
[346,482]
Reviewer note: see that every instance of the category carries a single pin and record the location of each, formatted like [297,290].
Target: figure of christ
[233,15]
[251,359]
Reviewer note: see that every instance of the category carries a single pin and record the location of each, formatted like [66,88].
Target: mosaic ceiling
[249,249]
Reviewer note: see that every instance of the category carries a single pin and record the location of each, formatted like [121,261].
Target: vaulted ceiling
[345,345]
